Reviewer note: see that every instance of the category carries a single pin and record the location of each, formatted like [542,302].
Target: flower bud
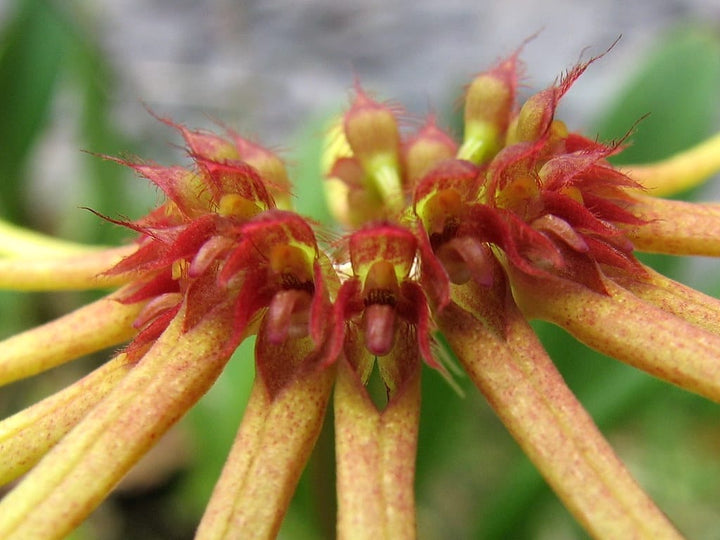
[371,129]
[488,104]
[429,147]
[348,198]
[536,115]
[204,144]
[372,132]
[534,118]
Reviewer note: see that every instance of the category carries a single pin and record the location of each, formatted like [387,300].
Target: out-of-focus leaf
[104,187]
[678,89]
[32,48]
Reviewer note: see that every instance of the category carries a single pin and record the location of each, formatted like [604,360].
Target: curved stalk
[74,272]
[628,328]
[17,241]
[674,297]
[271,448]
[682,171]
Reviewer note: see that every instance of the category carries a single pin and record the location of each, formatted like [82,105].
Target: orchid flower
[522,219]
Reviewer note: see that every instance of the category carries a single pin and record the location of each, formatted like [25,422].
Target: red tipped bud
[372,133]
[536,115]
[488,105]
[208,145]
[348,199]
[371,129]
[186,190]
[534,118]
[204,144]
[428,148]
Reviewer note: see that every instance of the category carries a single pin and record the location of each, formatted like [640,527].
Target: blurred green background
[472,480]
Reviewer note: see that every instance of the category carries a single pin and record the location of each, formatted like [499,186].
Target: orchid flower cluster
[521,219]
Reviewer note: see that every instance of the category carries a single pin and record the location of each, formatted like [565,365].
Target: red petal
[575,213]
[433,276]
[522,244]
[605,253]
[149,256]
[347,304]
[151,332]
[235,177]
[421,319]
[182,187]
[610,211]
[509,162]
[160,284]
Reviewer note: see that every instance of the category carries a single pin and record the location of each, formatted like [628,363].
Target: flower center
[288,313]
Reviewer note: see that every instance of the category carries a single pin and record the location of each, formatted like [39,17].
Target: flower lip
[380,297]
[379,326]
[288,315]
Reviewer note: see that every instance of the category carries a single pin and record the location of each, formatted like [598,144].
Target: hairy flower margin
[522,219]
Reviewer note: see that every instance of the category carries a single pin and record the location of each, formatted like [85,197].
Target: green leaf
[678,91]
[107,185]
[32,50]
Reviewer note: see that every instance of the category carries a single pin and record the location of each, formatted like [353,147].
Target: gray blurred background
[266,67]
